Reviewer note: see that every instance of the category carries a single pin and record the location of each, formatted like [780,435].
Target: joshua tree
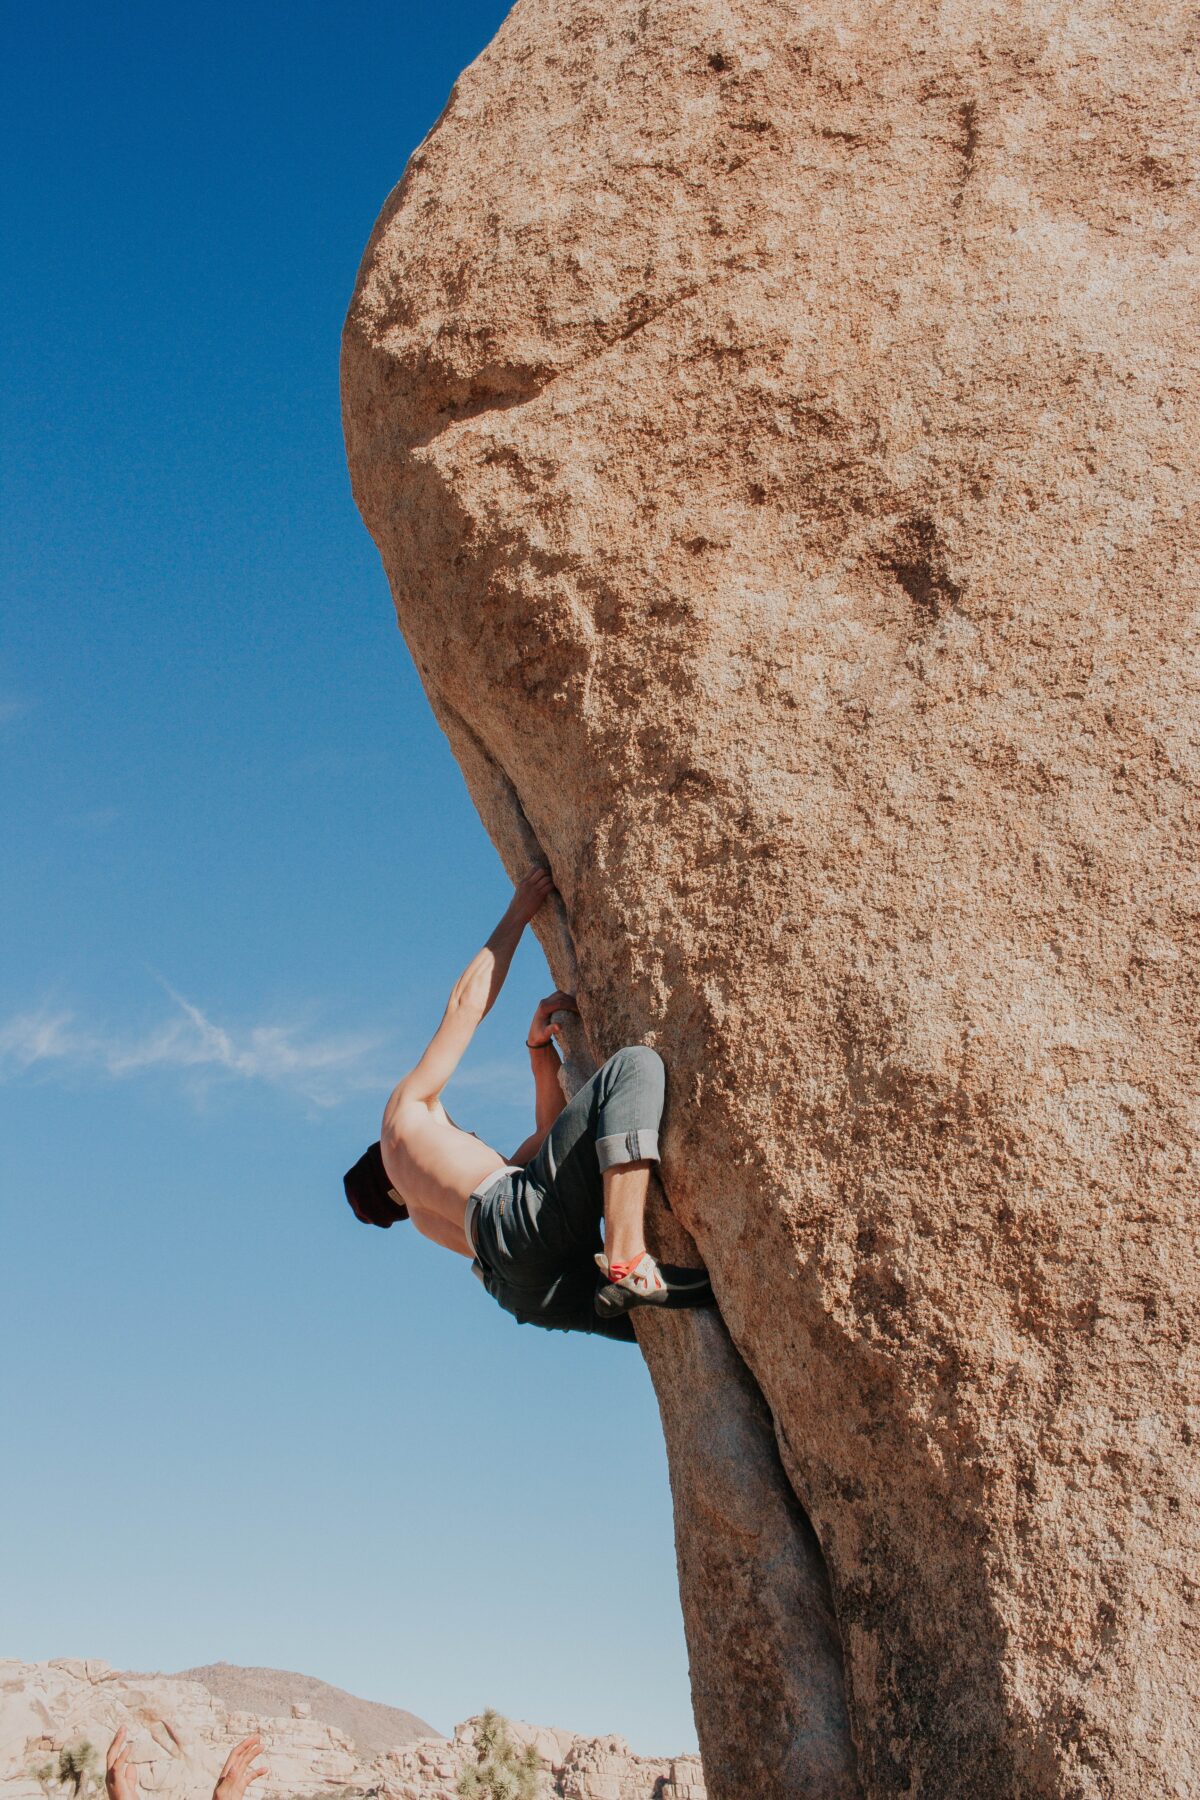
[76,1768]
[501,1771]
[74,1773]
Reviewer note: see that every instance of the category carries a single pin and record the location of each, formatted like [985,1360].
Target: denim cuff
[627,1147]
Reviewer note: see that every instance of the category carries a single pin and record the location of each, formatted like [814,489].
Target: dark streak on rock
[916,557]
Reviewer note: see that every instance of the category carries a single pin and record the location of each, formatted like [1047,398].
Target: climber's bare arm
[472,997]
[549,1098]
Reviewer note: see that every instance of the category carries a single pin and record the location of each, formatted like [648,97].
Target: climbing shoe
[639,1285]
[686,1288]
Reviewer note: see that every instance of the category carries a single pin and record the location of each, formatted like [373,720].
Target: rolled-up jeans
[536,1223]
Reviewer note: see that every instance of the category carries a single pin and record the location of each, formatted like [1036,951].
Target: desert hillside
[372,1728]
[182,1726]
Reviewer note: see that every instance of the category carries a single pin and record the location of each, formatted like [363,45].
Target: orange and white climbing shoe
[627,1285]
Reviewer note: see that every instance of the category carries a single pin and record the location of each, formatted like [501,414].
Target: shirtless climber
[531,1224]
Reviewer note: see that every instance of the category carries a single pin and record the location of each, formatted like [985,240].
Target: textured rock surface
[765,1656]
[779,426]
[181,1731]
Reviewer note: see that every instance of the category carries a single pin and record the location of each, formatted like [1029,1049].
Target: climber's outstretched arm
[473,994]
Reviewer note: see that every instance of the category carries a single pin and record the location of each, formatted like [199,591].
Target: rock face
[181,1732]
[766,1659]
[779,426]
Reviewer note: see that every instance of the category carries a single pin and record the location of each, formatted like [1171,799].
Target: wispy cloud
[323,1070]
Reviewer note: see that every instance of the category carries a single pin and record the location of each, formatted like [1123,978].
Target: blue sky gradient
[240,873]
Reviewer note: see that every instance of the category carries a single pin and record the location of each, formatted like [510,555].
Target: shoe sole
[612,1300]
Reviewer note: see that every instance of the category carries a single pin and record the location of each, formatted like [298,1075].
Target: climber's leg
[626,1186]
[595,1163]
[597,1160]
[632,1276]
[610,1124]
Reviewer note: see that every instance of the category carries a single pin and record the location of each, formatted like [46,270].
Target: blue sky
[240,871]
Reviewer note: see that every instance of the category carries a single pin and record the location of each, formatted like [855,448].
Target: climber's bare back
[434,1166]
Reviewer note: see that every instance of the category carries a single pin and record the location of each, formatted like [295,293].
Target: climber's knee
[643,1059]
[633,1086]
[639,1071]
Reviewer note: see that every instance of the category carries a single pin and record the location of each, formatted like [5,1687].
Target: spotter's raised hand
[237,1774]
[120,1776]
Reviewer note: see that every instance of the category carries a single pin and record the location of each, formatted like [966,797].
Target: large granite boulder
[779,426]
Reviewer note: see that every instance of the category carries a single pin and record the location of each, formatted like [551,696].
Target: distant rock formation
[779,427]
[181,1732]
[273,1693]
